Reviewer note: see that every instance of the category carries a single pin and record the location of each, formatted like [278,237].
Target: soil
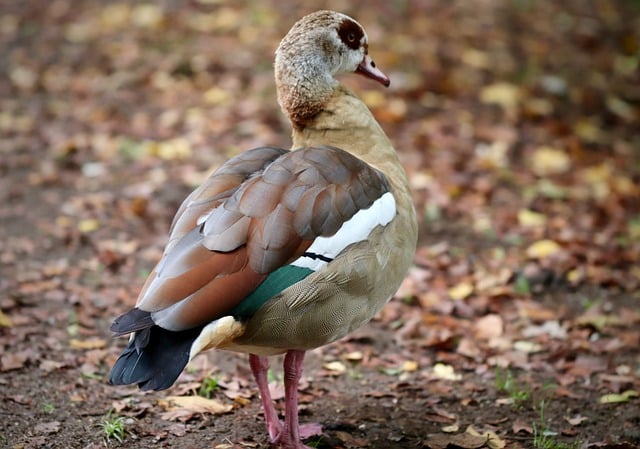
[113,112]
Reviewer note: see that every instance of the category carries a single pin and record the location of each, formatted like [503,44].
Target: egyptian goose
[282,251]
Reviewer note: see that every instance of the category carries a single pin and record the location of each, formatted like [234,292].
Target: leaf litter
[522,154]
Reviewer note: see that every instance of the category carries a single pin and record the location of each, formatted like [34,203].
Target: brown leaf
[47,427]
[195,404]
[91,343]
[15,360]
[461,440]
[487,327]
[521,426]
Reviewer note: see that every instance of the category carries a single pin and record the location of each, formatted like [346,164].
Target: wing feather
[258,212]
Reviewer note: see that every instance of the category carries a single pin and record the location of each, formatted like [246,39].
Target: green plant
[522,286]
[505,382]
[113,428]
[208,386]
[48,407]
[545,438]
[315,442]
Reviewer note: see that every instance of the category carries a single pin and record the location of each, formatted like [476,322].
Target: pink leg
[289,438]
[259,367]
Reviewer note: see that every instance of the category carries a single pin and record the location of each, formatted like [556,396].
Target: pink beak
[368,68]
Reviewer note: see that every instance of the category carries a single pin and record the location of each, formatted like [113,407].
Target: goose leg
[289,438]
[259,367]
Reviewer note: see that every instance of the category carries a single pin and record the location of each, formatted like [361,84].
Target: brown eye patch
[350,33]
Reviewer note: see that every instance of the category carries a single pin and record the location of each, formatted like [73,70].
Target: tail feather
[154,358]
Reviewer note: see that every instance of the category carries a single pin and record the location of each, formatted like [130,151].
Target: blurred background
[517,120]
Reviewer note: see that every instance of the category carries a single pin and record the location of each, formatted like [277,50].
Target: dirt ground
[518,326]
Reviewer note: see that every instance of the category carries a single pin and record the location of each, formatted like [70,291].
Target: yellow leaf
[217,95]
[196,404]
[542,249]
[493,440]
[178,148]
[147,15]
[354,356]
[335,367]
[88,225]
[613,398]
[410,366]
[461,291]
[475,58]
[549,161]
[92,343]
[451,428]
[115,15]
[505,94]
[443,371]
[528,218]
[527,347]
[5,321]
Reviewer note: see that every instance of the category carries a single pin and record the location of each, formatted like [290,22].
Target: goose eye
[350,34]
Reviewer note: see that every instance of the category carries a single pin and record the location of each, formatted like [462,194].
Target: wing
[256,214]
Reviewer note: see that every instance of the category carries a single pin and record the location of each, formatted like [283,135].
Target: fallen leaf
[504,94]
[613,398]
[461,291]
[50,365]
[47,427]
[576,420]
[521,426]
[549,161]
[410,366]
[487,327]
[493,441]
[543,249]
[5,321]
[528,347]
[461,440]
[442,371]
[14,360]
[528,218]
[196,404]
[91,343]
[88,225]
[335,367]
[450,429]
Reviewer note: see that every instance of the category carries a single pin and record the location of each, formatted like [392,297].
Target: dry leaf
[442,371]
[504,94]
[335,367]
[549,161]
[461,291]
[493,441]
[47,427]
[92,343]
[528,347]
[196,404]
[487,327]
[5,321]
[576,420]
[461,440]
[410,366]
[542,249]
[528,218]
[613,398]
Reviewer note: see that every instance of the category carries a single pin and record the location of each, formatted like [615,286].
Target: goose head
[318,47]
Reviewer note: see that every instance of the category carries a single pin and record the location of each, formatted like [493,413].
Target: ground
[518,325]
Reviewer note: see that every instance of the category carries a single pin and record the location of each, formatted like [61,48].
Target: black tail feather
[132,321]
[154,358]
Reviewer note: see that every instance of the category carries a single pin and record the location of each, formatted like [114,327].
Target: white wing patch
[354,230]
